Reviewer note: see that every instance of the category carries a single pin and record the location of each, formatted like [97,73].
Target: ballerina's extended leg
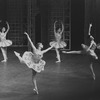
[72,52]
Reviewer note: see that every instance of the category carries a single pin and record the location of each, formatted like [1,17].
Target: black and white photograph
[49,49]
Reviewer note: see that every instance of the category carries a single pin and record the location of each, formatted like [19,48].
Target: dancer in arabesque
[34,60]
[88,50]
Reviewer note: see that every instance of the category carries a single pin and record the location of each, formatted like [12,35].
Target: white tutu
[89,52]
[85,47]
[98,46]
[30,60]
[60,44]
[5,43]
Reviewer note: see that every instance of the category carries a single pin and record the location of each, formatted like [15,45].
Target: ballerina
[34,60]
[88,50]
[58,42]
[4,43]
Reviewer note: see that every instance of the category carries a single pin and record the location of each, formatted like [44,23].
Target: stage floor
[69,80]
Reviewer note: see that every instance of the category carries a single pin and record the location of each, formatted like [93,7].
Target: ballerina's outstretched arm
[34,48]
[46,50]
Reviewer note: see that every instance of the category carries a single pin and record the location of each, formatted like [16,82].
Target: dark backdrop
[97,21]
[77,23]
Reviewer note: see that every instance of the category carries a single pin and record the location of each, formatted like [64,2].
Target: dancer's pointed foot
[96,58]
[5,60]
[35,91]
[16,53]
[64,52]
[58,61]
[94,77]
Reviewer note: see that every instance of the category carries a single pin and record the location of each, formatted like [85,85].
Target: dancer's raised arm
[91,44]
[34,48]
[90,29]
[62,28]
[7,28]
[55,27]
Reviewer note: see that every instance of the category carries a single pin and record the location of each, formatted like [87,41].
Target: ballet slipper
[96,58]
[5,60]
[35,91]
[64,52]
[58,61]
[16,53]
[94,77]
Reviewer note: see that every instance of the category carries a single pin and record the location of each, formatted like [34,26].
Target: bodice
[58,37]
[2,36]
[37,56]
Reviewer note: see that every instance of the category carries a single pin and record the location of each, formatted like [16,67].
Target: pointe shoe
[64,52]
[4,60]
[35,91]
[58,61]
[96,58]
[16,53]
[94,77]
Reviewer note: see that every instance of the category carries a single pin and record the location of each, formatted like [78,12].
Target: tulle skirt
[98,46]
[5,43]
[89,52]
[30,60]
[60,44]
[85,47]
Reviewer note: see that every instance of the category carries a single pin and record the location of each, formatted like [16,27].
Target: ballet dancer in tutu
[4,43]
[58,42]
[88,50]
[34,60]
